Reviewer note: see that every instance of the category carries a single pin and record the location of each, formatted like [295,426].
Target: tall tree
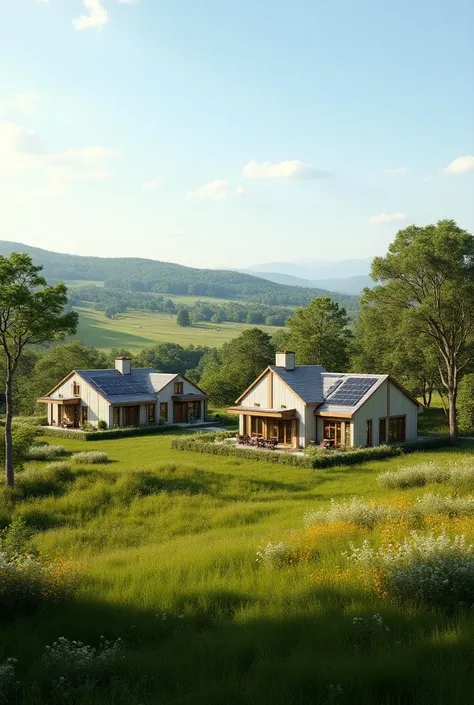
[183,318]
[428,274]
[377,349]
[227,372]
[319,335]
[31,313]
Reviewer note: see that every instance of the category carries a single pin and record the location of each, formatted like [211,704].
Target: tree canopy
[319,335]
[428,278]
[31,313]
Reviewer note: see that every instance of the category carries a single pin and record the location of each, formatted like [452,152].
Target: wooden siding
[98,408]
[282,397]
[166,394]
[387,400]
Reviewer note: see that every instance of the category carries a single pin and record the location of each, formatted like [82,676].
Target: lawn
[166,543]
[138,329]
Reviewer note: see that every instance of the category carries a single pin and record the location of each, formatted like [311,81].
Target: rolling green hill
[143,275]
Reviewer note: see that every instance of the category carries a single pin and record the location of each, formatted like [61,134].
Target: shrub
[466,404]
[45,451]
[427,570]
[414,476]
[110,433]
[448,505]
[89,427]
[90,457]
[72,659]
[353,510]
[274,555]
[22,437]
[8,681]
[318,459]
[102,425]
[15,537]
[27,582]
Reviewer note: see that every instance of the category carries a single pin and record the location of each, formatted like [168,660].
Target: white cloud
[217,190]
[461,165]
[400,170]
[292,169]
[23,153]
[152,185]
[127,2]
[388,218]
[98,15]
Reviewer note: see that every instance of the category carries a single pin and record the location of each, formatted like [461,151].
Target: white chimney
[286,359]
[123,365]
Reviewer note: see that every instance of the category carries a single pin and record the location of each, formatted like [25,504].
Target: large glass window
[257,424]
[333,432]
[164,411]
[116,412]
[382,431]
[178,387]
[151,413]
[194,409]
[396,429]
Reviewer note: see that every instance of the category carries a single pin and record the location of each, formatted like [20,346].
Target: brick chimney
[286,359]
[123,365]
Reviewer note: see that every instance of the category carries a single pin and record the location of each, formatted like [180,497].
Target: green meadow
[166,542]
[136,330]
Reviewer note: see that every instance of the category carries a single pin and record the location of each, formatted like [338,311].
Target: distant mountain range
[145,275]
[344,276]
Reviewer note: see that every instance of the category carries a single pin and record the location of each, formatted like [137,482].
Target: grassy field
[166,543]
[137,330]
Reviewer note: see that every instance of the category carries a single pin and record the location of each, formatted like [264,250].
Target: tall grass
[167,543]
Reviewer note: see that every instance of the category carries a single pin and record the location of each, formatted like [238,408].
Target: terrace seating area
[258,441]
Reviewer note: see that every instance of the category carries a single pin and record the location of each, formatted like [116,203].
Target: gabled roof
[330,392]
[305,380]
[140,386]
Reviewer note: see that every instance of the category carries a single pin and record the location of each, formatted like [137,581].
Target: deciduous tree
[31,313]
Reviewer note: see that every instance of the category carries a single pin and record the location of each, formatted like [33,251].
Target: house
[124,396]
[303,404]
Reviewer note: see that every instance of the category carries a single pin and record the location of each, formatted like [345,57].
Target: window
[164,411]
[396,429]
[333,432]
[151,413]
[178,387]
[368,433]
[76,389]
[116,416]
[194,409]
[382,431]
[84,414]
[257,424]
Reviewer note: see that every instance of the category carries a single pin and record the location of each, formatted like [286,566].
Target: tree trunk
[9,470]
[453,416]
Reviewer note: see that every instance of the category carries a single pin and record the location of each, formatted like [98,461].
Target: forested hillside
[150,276]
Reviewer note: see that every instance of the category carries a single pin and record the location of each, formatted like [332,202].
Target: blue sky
[220,133]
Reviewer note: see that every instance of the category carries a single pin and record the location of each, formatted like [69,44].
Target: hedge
[317,459]
[111,433]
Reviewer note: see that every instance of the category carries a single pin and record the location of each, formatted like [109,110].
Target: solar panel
[351,391]
[118,386]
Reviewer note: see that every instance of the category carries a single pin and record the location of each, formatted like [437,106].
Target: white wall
[166,394]
[380,405]
[98,408]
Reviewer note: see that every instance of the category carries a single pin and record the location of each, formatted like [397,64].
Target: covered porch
[189,408]
[268,425]
[63,412]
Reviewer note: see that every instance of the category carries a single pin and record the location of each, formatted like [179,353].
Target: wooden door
[131,415]
[180,412]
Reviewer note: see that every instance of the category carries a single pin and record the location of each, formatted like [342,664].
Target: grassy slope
[181,539]
[137,330]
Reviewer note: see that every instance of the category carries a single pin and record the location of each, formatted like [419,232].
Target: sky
[227,134]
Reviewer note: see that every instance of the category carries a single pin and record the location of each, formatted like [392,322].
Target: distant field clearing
[140,329]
